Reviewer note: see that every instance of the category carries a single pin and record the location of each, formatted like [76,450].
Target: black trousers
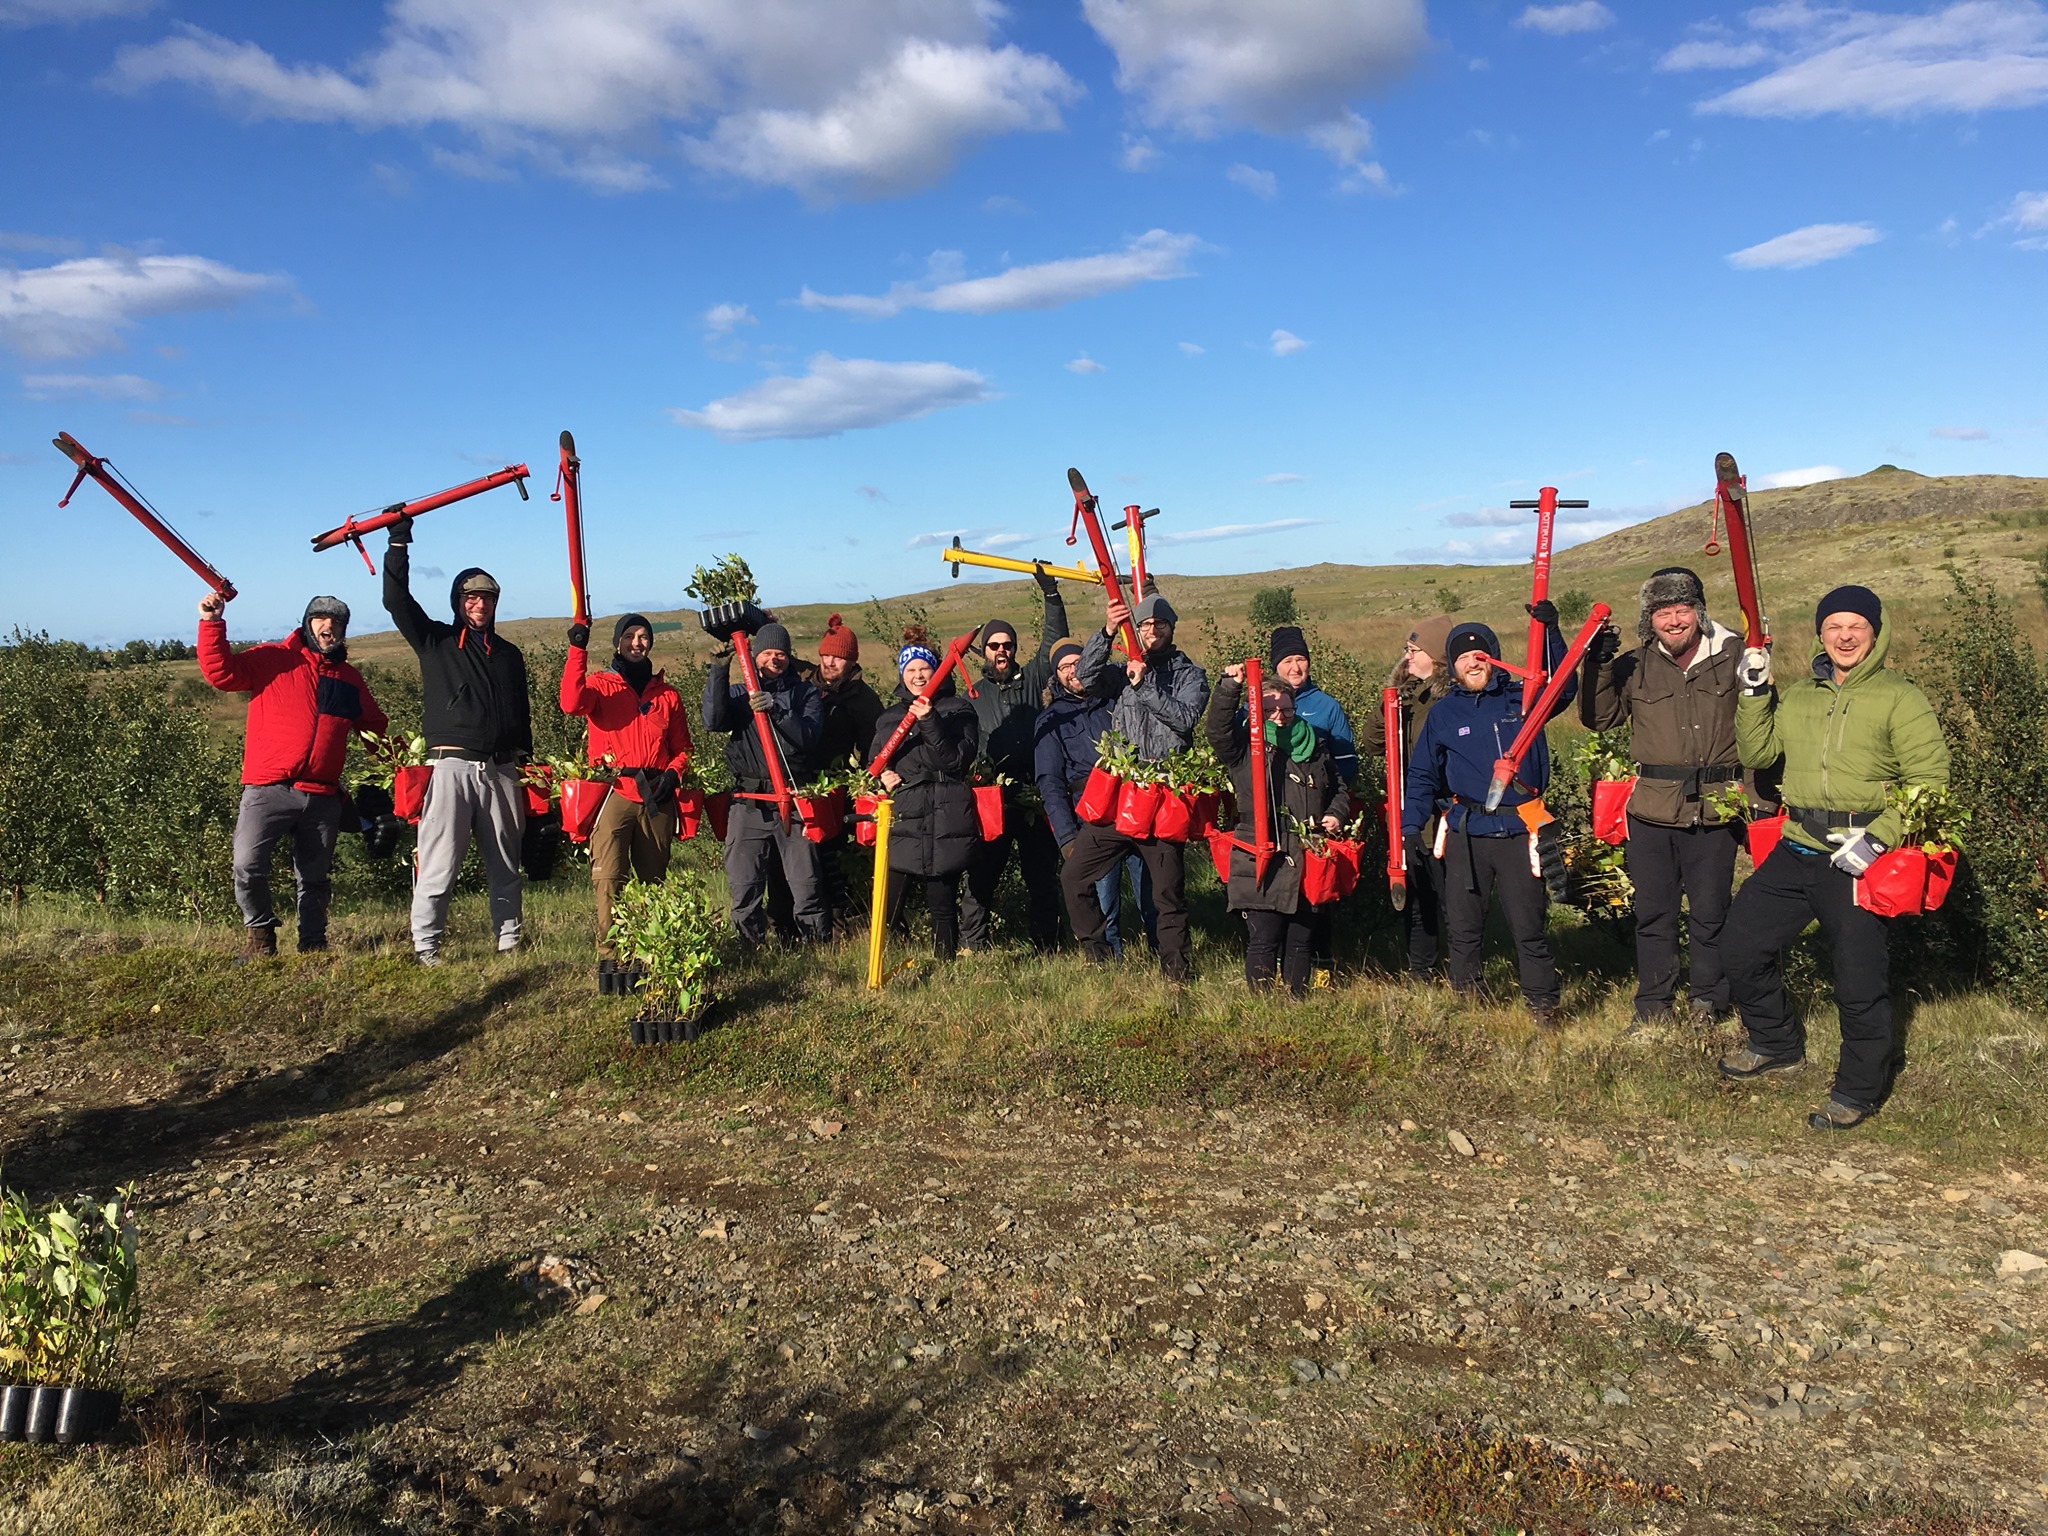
[1771,910]
[1667,863]
[1475,871]
[1422,918]
[1282,942]
[941,900]
[1098,850]
[1038,857]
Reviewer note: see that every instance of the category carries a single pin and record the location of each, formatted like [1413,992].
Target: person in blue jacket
[1287,655]
[1063,754]
[1508,852]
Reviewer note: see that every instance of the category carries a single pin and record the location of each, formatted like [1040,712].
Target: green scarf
[1300,741]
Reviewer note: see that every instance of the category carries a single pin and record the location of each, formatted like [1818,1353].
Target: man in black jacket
[756,834]
[1008,699]
[475,717]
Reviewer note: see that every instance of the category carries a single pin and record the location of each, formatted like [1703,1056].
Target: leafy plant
[1196,770]
[1117,756]
[729,580]
[1272,607]
[1572,607]
[1448,598]
[561,768]
[671,929]
[853,777]
[401,749]
[1933,814]
[70,1294]
[1606,754]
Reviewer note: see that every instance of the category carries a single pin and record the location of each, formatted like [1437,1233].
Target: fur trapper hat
[1669,588]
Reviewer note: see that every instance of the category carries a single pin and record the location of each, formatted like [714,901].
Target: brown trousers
[629,838]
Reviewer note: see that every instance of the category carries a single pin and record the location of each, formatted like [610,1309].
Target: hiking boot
[1837,1116]
[257,944]
[1749,1063]
[311,945]
[427,957]
[1703,1015]
[1545,1017]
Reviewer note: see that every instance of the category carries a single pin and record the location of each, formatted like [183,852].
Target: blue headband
[911,653]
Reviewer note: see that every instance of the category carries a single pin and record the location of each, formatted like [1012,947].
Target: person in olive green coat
[1843,734]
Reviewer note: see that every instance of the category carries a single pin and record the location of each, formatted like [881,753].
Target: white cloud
[1966,56]
[1138,154]
[1805,247]
[1085,364]
[1712,53]
[1962,434]
[882,100]
[1564,20]
[1192,348]
[41,245]
[1259,183]
[837,395]
[1285,343]
[79,307]
[2028,216]
[101,386]
[1282,477]
[1152,257]
[32,13]
[1812,475]
[1237,530]
[723,319]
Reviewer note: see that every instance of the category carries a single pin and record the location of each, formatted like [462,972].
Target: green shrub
[1572,607]
[1272,607]
[1448,598]
[671,928]
[69,1290]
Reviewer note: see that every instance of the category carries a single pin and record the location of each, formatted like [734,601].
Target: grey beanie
[1154,607]
[773,637]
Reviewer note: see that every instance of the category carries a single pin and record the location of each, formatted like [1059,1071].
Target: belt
[1694,779]
[1820,823]
[465,755]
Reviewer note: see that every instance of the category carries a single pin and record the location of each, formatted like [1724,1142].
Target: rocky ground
[475,1306]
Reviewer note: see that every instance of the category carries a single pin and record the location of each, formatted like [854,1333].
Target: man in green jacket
[1845,732]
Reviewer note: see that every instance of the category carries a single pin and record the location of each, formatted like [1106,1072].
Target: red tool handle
[1505,768]
[1539,589]
[172,540]
[1397,765]
[1261,845]
[1731,495]
[1105,562]
[955,652]
[569,492]
[352,531]
[771,751]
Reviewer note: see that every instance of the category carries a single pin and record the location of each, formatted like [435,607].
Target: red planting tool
[735,622]
[1505,768]
[131,499]
[1261,845]
[955,654]
[1545,506]
[1731,504]
[569,492]
[1397,764]
[1133,524]
[1105,562]
[352,531]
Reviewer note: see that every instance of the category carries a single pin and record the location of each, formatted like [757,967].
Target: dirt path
[501,1310]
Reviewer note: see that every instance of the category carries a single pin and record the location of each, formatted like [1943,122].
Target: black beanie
[1470,635]
[1857,600]
[626,622]
[996,627]
[1287,641]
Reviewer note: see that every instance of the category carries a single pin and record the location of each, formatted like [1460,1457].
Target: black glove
[657,785]
[579,636]
[722,653]
[1416,845]
[1606,645]
[401,531]
[1550,856]
[1544,613]
[1045,579]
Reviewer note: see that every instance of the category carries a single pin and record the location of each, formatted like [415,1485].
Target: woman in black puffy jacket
[934,828]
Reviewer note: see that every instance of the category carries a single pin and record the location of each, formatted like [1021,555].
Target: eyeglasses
[1001,645]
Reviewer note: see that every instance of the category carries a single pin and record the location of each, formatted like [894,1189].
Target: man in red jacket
[640,723]
[304,699]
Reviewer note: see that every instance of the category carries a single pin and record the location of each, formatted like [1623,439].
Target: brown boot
[260,944]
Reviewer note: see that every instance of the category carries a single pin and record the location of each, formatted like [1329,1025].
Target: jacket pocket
[338,696]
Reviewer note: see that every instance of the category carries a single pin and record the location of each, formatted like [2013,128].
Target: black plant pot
[57,1415]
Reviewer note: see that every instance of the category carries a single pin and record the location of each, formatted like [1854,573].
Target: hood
[305,637]
[1823,670]
[1715,637]
[1412,688]
[455,591]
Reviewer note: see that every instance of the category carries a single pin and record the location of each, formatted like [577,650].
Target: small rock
[1410,1125]
[934,1268]
[395,1107]
[1462,1144]
[591,1303]
[627,1117]
[1193,1288]
[1721,1352]
[1614,1397]
[1955,1196]
[196,1235]
[1737,1163]
[1315,1301]
[1304,1370]
[2017,1261]
[720,1231]
[825,1129]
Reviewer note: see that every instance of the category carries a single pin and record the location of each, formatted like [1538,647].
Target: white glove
[1854,857]
[1754,670]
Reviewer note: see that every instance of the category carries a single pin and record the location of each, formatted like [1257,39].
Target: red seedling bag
[1136,807]
[689,812]
[1348,856]
[1610,809]
[1906,882]
[864,820]
[1098,801]
[716,808]
[1764,832]
[409,791]
[824,815]
[582,799]
[1220,845]
[988,805]
[1330,875]
[1174,818]
[538,798]
[1202,813]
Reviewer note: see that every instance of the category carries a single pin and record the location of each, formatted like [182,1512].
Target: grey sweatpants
[461,796]
[755,836]
[270,812]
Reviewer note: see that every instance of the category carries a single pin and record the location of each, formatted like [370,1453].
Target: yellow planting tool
[878,907]
[955,556]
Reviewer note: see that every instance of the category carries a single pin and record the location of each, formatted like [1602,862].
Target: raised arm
[411,619]
[1228,736]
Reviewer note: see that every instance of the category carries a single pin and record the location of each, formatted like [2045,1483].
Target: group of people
[1829,739]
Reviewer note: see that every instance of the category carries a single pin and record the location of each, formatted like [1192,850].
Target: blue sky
[1322,279]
